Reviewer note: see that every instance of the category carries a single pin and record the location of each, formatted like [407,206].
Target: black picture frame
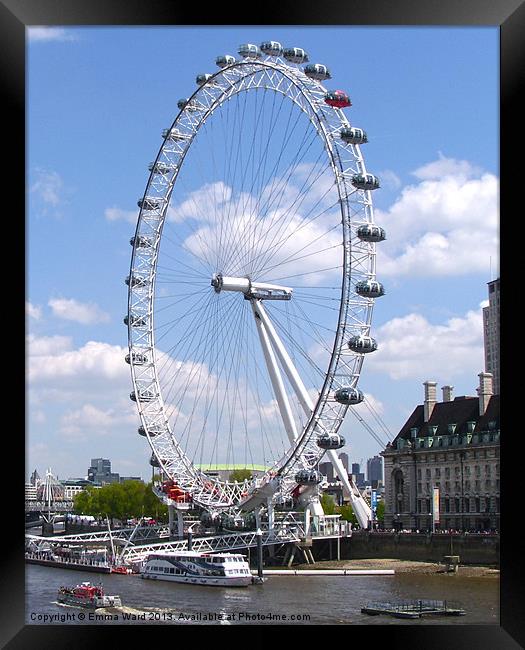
[15,16]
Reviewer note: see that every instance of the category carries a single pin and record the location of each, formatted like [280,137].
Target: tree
[347,513]
[240,475]
[328,504]
[120,501]
[380,511]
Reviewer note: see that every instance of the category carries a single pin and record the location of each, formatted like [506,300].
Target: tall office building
[374,469]
[491,334]
[343,457]
[327,469]
[100,472]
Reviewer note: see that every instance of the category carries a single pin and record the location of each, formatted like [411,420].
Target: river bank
[401,566]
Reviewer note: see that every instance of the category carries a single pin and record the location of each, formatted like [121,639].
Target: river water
[311,600]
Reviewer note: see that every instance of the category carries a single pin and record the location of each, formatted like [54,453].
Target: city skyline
[89,144]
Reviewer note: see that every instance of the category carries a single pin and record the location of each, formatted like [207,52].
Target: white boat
[221,570]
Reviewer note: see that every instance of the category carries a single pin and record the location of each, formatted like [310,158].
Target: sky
[98,99]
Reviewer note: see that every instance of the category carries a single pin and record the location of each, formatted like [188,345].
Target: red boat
[337,99]
[87,595]
[121,569]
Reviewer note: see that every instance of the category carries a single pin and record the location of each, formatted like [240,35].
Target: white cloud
[33,311]
[101,363]
[117,214]
[446,167]
[389,179]
[48,34]
[90,420]
[84,313]
[48,187]
[410,347]
[47,345]
[445,225]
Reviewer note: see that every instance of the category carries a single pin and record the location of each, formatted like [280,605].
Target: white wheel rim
[231,85]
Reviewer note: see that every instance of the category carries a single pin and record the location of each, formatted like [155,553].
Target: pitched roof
[458,411]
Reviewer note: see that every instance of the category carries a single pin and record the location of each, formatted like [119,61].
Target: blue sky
[97,101]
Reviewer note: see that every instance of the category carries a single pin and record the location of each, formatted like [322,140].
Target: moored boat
[87,595]
[223,569]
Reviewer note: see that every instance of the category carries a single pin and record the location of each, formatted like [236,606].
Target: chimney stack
[447,393]
[485,391]
[430,398]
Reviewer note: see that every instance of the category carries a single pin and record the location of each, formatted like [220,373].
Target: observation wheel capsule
[349,395]
[138,358]
[148,203]
[365,181]
[308,477]
[141,242]
[201,79]
[152,432]
[295,55]
[136,281]
[353,135]
[161,168]
[144,395]
[271,48]
[249,51]
[225,60]
[369,232]
[337,99]
[317,71]
[330,441]
[135,321]
[363,344]
[370,289]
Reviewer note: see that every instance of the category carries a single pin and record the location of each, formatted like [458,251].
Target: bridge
[44,506]
[293,527]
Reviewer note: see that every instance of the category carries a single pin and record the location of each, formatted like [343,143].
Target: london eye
[252,282]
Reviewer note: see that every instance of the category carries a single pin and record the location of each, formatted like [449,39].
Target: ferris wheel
[252,282]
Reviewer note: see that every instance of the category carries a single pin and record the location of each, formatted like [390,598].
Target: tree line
[346,511]
[122,501]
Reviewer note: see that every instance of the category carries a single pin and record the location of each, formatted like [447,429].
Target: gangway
[213,544]
[122,535]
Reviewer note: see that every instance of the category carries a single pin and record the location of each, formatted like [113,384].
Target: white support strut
[360,506]
[275,377]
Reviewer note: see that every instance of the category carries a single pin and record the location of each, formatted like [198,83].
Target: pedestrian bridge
[291,527]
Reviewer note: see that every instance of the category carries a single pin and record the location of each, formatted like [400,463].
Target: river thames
[294,600]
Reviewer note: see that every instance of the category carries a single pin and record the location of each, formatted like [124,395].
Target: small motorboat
[121,569]
[87,595]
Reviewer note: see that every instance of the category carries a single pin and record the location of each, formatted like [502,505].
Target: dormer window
[452,428]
